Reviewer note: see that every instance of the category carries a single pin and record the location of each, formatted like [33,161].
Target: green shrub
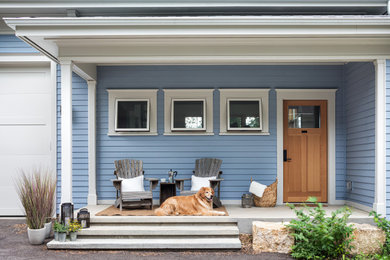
[319,237]
[383,224]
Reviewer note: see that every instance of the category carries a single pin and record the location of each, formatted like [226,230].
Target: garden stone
[368,239]
[271,237]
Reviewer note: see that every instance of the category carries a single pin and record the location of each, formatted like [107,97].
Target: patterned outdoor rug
[112,211]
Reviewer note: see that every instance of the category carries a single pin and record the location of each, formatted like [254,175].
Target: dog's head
[206,193]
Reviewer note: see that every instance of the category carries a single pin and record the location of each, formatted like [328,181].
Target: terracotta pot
[36,236]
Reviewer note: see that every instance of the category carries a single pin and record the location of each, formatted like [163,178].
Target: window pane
[244,114]
[188,114]
[304,117]
[132,114]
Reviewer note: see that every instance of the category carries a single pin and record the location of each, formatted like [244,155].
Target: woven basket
[269,196]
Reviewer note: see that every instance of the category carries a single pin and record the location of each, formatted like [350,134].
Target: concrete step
[113,220]
[161,230]
[149,243]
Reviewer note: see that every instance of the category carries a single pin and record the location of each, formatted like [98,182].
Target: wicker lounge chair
[129,169]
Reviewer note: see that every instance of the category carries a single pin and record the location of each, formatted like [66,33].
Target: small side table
[167,190]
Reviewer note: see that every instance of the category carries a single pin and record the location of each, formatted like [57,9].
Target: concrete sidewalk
[14,245]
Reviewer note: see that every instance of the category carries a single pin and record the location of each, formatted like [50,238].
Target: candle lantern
[246,200]
[67,213]
[83,217]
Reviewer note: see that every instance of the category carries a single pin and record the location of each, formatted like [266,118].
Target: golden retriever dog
[199,204]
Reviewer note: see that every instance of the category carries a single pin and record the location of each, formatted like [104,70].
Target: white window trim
[308,94]
[133,95]
[244,94]
[189,129]
[147,129]
[188,94]
[229,128]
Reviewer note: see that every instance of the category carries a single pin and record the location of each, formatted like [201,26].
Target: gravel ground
[14,245]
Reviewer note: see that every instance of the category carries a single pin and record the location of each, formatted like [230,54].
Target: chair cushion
[199,182]
[257,188]
[132,184]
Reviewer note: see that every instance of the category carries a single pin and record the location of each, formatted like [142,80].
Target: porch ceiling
[207,40]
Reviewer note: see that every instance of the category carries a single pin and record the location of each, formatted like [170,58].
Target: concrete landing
[147,243]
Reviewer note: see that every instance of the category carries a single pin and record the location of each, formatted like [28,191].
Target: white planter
[48,229]
[36,236]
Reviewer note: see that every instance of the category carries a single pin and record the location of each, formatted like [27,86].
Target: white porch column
[92,197]
[66,131]
[380,137]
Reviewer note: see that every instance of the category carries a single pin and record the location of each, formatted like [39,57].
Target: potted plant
[34,190]
[61,231]
[73,228]
[57,227]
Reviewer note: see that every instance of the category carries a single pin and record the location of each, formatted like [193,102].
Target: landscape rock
[271,237]
[368,239]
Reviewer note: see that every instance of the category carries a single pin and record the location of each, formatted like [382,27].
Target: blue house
[276,90]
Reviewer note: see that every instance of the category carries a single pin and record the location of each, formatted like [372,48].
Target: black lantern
[67,213]
[83,217]
[246,200]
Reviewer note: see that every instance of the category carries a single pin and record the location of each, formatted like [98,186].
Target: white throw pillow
[199,182]
[132,184]
[257,188]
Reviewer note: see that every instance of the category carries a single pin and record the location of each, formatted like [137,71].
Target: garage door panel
[24,109]
[25,128]
[23,82]
[27,140]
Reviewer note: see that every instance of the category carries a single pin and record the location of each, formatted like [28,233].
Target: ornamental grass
[36,190]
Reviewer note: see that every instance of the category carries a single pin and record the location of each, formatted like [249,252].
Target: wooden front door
[305,160]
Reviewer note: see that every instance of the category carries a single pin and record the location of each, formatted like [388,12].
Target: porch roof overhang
[206,39]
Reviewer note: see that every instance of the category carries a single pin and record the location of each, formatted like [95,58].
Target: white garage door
[25,128]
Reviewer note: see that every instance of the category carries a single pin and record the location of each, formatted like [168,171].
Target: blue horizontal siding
[243,156]
[12,44]
[359,96]
[79,140]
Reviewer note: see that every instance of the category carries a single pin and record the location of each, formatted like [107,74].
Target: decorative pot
[48,229]
[73,236]
[62,237]
[55,235]
[36,236]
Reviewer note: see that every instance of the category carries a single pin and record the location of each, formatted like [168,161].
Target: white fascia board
[188,3]
[88,22]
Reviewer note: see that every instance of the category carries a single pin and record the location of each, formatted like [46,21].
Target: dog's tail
[159,212]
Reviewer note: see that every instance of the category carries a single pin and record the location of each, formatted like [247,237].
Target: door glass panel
[304,117]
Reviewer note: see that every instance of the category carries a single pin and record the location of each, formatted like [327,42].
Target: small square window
[244,115]
[132,115]
[188,115]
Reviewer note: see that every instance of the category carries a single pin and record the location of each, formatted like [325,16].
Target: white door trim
[308,94]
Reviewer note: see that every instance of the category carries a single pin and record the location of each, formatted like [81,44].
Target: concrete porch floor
[243,216]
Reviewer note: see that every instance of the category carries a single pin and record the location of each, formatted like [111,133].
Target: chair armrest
[117,184]
[152,183]
[180,183]
[215,183]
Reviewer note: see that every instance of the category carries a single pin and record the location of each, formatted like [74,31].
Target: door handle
[285,159]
